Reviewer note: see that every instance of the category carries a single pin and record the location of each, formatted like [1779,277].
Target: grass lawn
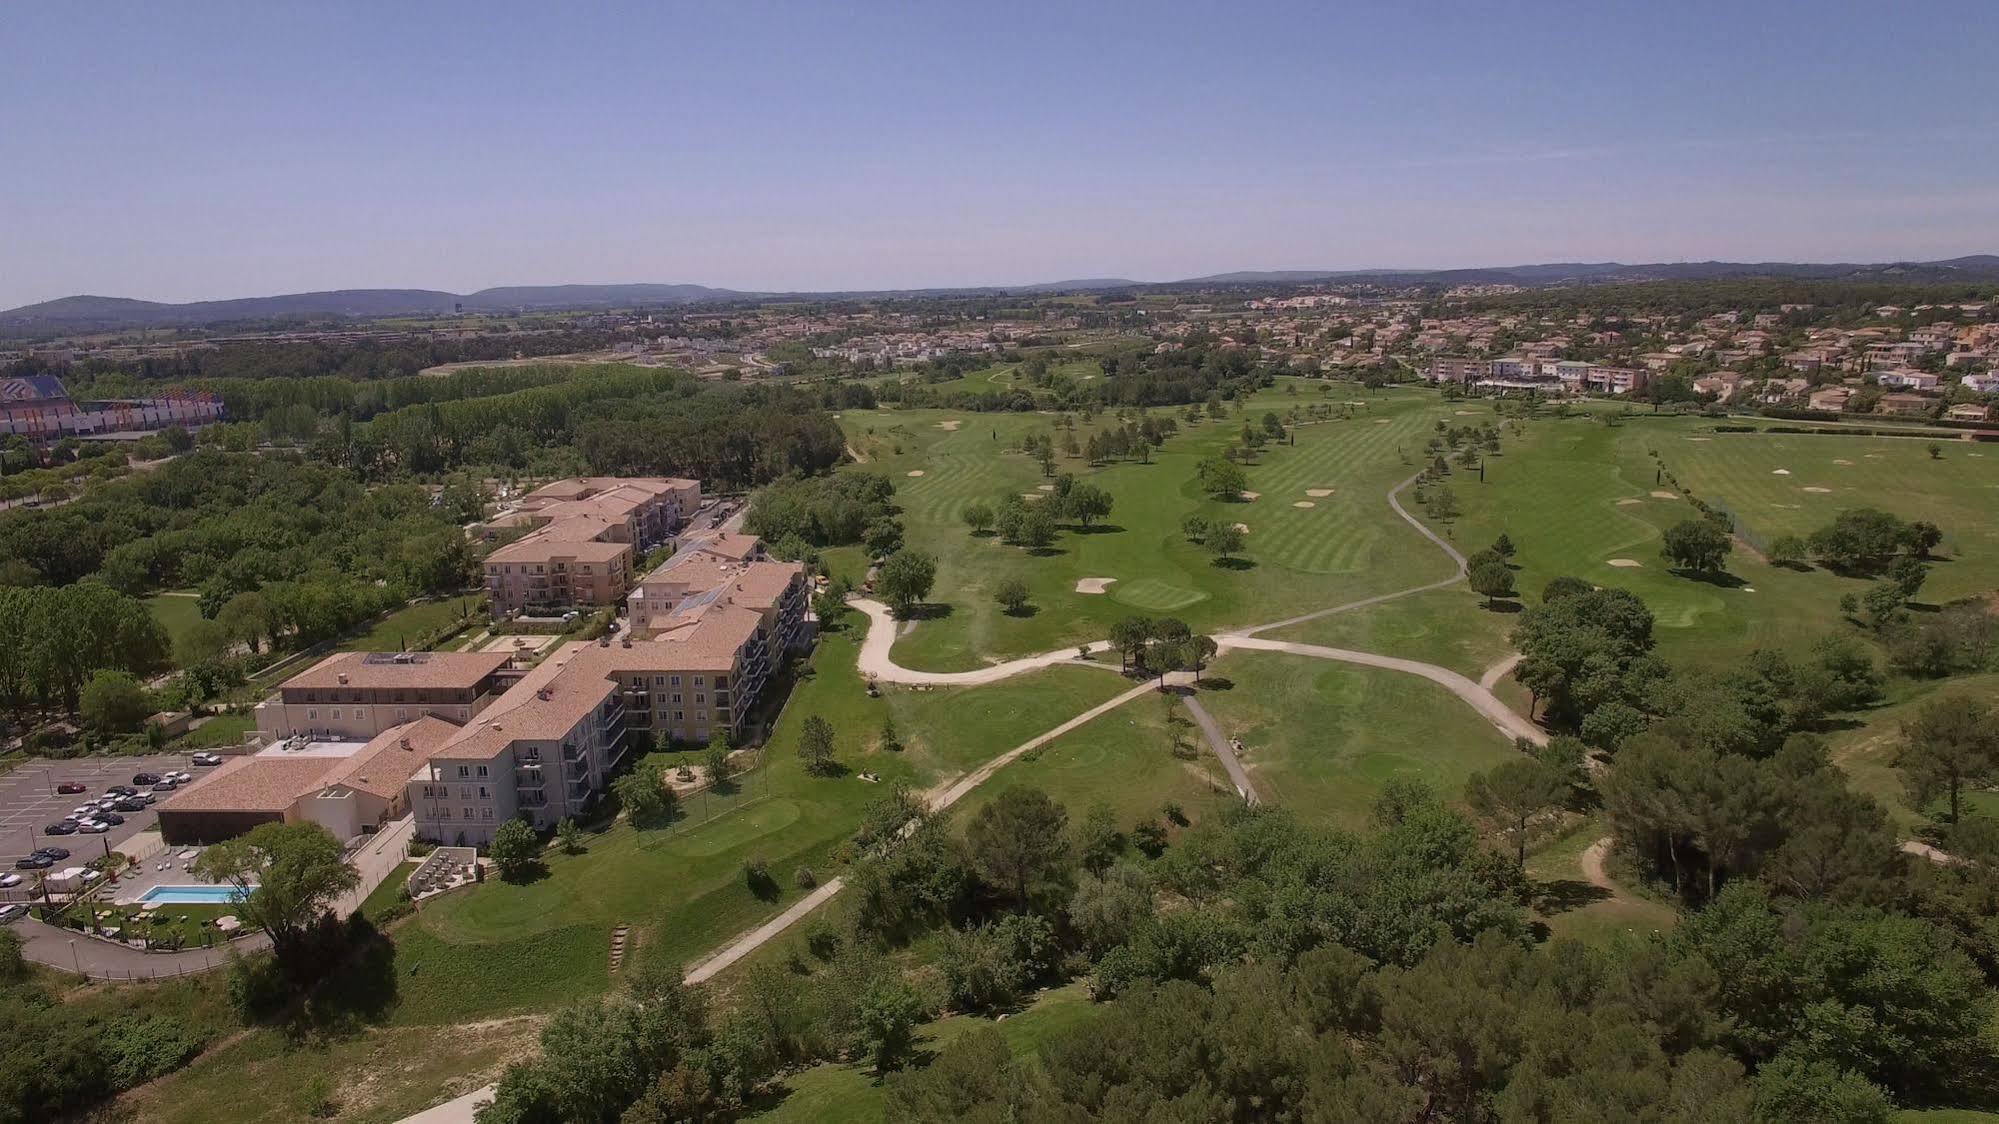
[405,627]
[1570,906]
[852,1093]
[176,613]
[222,729]
[1822,475]
[502,947]
[1124,759]
[1322,738]
[1347,545]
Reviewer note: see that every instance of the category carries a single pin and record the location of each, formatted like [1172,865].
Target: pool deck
[133,884]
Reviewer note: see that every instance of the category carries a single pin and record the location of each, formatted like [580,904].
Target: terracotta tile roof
[732,545]
[255,784]
[385,765]
[399,669]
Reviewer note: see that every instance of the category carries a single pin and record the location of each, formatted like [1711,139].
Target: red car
[72,786]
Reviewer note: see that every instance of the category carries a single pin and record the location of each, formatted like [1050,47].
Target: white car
[83,811]
[93,827]
[9,881]
[180,776]
[12,913]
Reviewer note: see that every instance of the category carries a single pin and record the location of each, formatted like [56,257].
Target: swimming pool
[191,895]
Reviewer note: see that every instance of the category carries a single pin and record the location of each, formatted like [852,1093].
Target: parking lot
[29,800]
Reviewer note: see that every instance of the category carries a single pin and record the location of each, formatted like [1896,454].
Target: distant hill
[93,313]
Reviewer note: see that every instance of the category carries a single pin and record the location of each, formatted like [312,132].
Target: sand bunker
[916,472]
[1780,472]
[1664,496]
[952,424]
[1304,503]
[1628,502]
[1247,496]
[1094,585]
[1820,491]
[1243,527]
[1318,493]
[1033,496]
[1700,438]
[1626,563]
[1044,487]
[1381,421]
[1466,413]
[1841,460]
[1748,589]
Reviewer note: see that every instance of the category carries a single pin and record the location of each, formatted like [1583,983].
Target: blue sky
[192,151]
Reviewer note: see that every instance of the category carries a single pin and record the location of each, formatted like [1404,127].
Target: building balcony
[529,778]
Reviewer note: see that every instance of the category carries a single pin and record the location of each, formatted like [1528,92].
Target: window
[482,770]
[680,716]
[312,715]
[335,714]
[675,680]
[700,697]
[360,714]
[485,813]
[676,696]
[468,813]
[464,771]
[482,793]
[700,681]
[659,680]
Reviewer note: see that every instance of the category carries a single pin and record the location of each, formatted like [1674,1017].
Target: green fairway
[681,888]
[1778,484]
[1322,738]
[1347,545]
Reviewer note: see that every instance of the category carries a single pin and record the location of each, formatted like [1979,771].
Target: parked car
[9,881]
[179,776]
[60,827]
[34,862]
[207,759]
[130,804]
[112,818]
[93,827]
[81,811]
[166,786]
[122,790]
[12,913]
[53,854]
[68,787]
[146,798]
[145,778]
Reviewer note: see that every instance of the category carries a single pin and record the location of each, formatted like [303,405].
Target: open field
[1821,475]
[402,628]
[1323,738]
[1567,903]
[1348,545]
[176,612]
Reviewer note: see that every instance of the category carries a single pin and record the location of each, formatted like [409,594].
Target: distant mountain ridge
[97,313]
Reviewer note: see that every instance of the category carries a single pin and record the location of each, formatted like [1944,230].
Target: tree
[1952,743]
[1086,502]
[1787,550]
[1512,794]
[1200,649]
[642,794]
[1503,546]
[890,741]
[1492,579]
[1012,595]
[1697,545]
[815,746]
[1163,656]
[1225,540]
[1443,505]
[1128,636]
[1194,528]
[113,702]
[1098,840]
[890,1012]
[905,580]
[1037,526]
[1019,840]
[883,537]
[978,515]
[1221,479]
[288,874]
[514,848]
[569,835]
[715,760]
[200,642]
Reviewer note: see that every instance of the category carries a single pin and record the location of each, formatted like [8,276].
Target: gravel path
[1223,750]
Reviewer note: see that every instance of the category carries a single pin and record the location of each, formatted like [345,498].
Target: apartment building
[1457,369]
[583,537]
[353,696]
[707,633]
